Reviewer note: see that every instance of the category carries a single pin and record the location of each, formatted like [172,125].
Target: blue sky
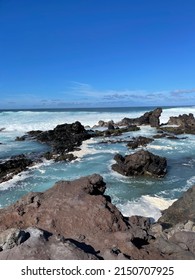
[73,53]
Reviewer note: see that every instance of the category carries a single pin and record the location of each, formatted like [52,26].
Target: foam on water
[85,149]
[30,120]
[12,182]
[191,182]
[147,206]
[158,147]
[169,112]
[24,121]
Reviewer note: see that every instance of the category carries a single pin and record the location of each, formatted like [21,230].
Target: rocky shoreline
[64,139]
[76,220]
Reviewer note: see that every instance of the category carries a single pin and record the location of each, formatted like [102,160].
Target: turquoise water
[142,195]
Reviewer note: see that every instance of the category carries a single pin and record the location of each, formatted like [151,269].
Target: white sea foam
[146,206]
[12,182]
[85,149]
[26,121]
[191,182]
[167,113]
[159,147]
[24,175]
[23,121]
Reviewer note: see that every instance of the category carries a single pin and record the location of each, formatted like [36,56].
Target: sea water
[144,196]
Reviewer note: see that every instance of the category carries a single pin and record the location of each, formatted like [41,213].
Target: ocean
[133,195]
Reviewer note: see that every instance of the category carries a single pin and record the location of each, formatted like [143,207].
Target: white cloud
[182,91]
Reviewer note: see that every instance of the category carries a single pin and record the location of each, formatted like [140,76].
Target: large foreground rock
[140,163]
[75,220]
[76,210]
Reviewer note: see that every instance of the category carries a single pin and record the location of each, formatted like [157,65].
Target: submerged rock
[115,132]
[140,163]
[139,141]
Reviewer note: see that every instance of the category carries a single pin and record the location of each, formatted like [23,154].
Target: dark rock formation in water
[62,139]
[139,141]
[115,132]
[13,166]
[181,124]
[75,220]
[140,163]
[149,118]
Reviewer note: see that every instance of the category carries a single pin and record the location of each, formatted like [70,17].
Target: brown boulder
[72,209]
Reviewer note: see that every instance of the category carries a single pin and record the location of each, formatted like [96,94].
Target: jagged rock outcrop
[13,166]
[181,124]
[62,139]
[140,163]
[149,118]
[76,210]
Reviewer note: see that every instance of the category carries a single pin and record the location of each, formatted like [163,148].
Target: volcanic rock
[140,163]
[115,132]
[73,210]
[40,244]
[75,220]
[62,139]
[139,141]
[149,118]
[13,166]
[181,124]
[181,210]
[65,137]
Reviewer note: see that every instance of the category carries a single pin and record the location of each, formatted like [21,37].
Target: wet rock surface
[140,163]
[181,124]
[13,166]
[139,141]
[63,138]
